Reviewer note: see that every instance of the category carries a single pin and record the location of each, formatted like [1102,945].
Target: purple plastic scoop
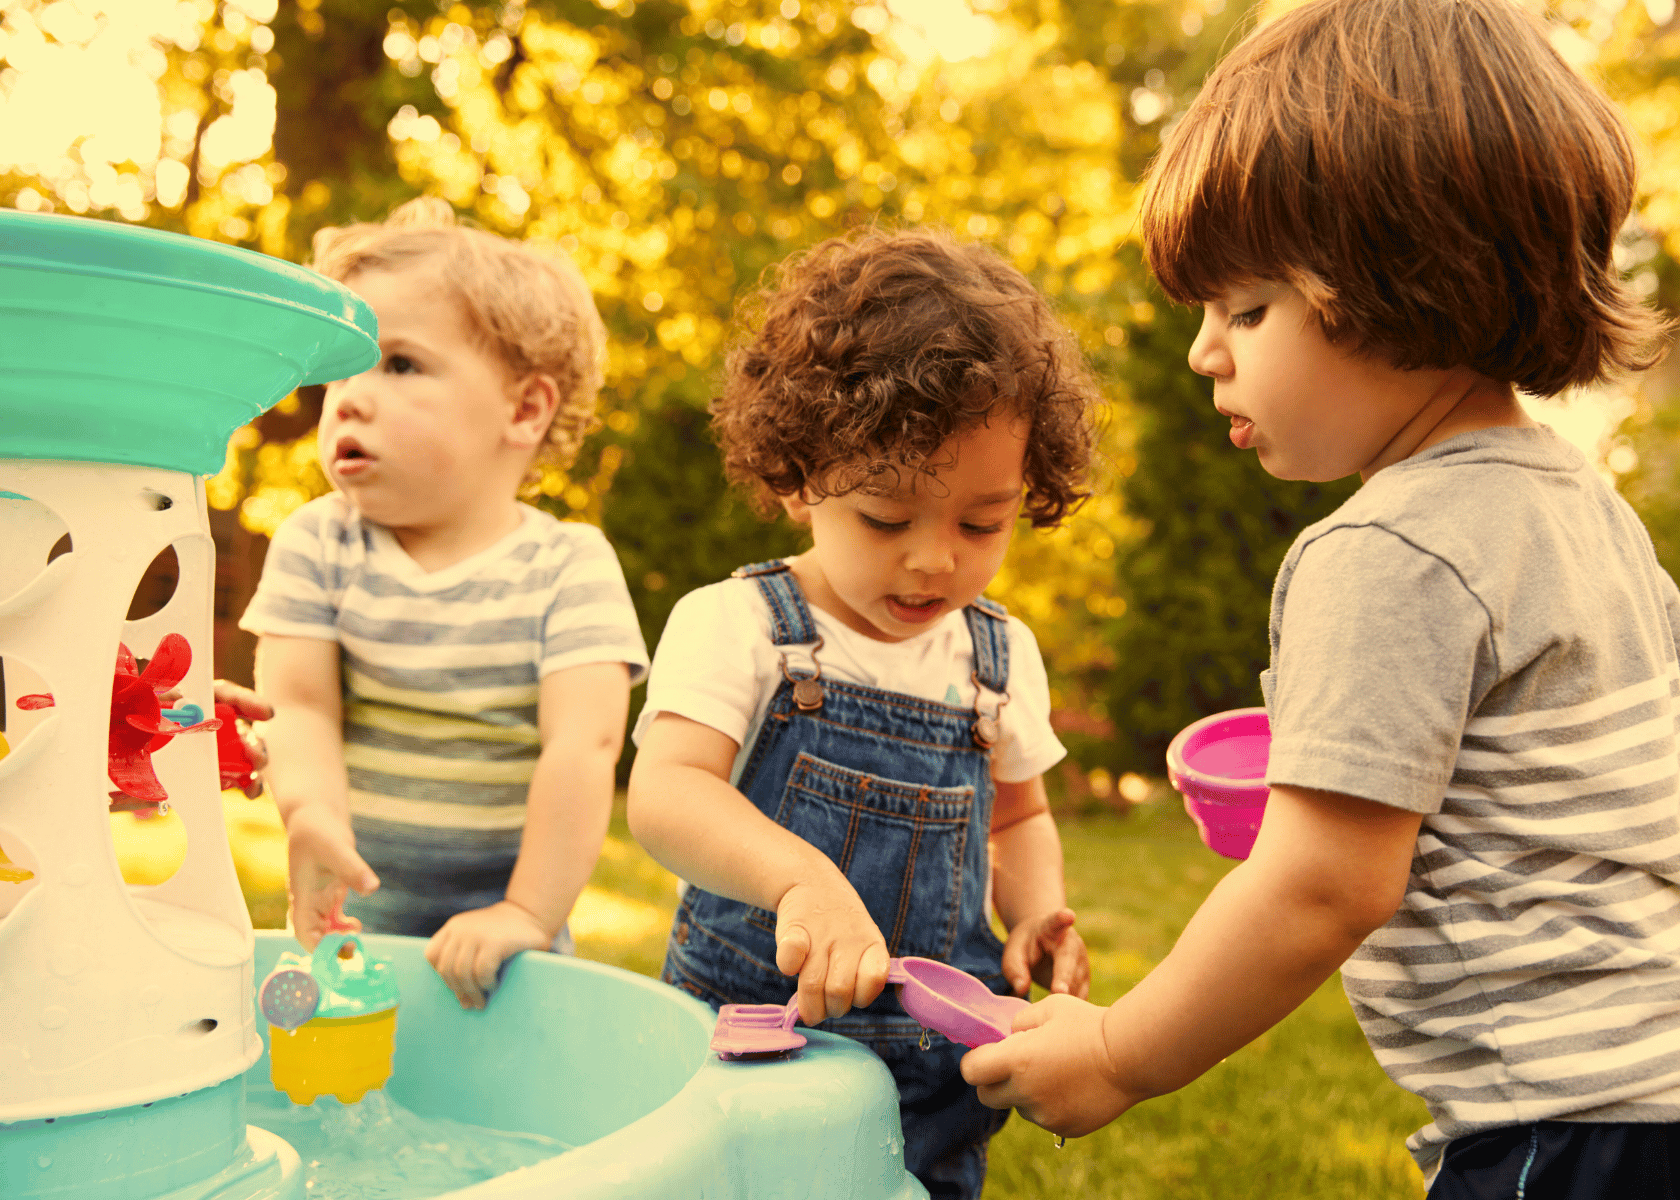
[757,1029]
[952,1002]
[939,997]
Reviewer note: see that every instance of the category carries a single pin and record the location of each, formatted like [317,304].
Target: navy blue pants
[1562,1160]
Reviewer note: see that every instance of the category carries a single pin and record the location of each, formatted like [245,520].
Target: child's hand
[1054,1068]
[825,935]
[322,865]
[470,948]
[1048,949]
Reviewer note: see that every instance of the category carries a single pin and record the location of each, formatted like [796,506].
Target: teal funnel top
[121,344]
[304,986]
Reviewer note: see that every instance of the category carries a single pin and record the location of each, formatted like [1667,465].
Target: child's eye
[884,526]
[400,364]
[1249,319]
[997,527]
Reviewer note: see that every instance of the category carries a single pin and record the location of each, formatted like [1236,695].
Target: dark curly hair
[860,357]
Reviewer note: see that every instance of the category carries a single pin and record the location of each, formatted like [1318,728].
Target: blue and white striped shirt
[441,669]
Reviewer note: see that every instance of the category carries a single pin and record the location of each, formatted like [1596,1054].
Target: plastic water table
[127,358]
[617,1065]
[128,1025]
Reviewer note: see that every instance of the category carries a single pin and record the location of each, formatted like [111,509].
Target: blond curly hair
[527,303]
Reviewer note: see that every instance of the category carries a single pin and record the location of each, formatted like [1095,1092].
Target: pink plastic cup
[1219,766]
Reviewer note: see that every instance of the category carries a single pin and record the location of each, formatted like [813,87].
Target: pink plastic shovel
[940,997]
[952,1002]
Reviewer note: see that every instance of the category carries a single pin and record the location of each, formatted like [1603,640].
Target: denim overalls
[897,790]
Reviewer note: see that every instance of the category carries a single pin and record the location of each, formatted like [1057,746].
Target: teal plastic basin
[129,345]
[617,1065]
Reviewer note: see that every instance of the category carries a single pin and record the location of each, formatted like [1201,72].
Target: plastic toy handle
[325,963]
[896,972]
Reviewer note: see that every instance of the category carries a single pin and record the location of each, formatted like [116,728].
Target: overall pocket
[900,845]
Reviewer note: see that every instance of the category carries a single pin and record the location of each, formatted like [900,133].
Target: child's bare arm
[1326,871]
[683,810]
[580,713]
[1028,892]
[300,678]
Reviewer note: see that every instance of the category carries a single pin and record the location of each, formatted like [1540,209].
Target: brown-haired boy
[1397,214]
[830,742]
[449,668]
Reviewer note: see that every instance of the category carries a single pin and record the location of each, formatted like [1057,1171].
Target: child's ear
[534,399]
[798,507]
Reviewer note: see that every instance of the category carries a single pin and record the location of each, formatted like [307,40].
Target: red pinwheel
[138,728]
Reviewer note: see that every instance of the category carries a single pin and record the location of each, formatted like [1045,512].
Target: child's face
[1313,410]
[416,438]
[889,563]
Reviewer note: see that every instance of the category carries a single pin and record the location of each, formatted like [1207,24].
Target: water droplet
[926,1041]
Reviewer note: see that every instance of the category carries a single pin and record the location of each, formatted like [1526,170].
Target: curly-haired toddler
[831,742]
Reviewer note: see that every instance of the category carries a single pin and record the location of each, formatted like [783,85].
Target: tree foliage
[676,149]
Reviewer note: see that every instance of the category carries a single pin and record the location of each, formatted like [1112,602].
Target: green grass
[1304,1111]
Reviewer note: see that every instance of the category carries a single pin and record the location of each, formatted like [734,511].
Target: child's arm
[1326,871]
[300,678]
[1028,893]
[683,810]
[580,716]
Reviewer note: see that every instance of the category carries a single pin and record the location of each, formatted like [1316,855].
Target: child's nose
[350,398]
[932,553]
[1208,355]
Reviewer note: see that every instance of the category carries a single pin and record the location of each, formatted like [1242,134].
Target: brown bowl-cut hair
[1436,182]
[859,358]
[525,304]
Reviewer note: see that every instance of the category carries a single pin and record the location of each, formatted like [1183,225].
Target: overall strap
[790,618]
[988,625]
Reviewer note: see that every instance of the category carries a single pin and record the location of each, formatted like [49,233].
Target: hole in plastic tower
[30,534]
[24,704]
[150,849]
[156,587]
[18,873]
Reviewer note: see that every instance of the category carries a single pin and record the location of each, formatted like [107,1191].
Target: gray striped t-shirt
[441,669]
[1482,634]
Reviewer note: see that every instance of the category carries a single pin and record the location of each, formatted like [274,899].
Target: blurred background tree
[675,149]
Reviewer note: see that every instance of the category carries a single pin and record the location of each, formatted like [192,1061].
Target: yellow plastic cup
[347,1057]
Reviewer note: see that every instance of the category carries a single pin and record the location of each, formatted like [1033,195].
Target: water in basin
[375,1149]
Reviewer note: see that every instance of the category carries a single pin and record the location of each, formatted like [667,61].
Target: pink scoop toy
[942,998]
[1218,765]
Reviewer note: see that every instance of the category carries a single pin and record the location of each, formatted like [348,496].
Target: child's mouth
[914,611]
[350,460]
[1242,432]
